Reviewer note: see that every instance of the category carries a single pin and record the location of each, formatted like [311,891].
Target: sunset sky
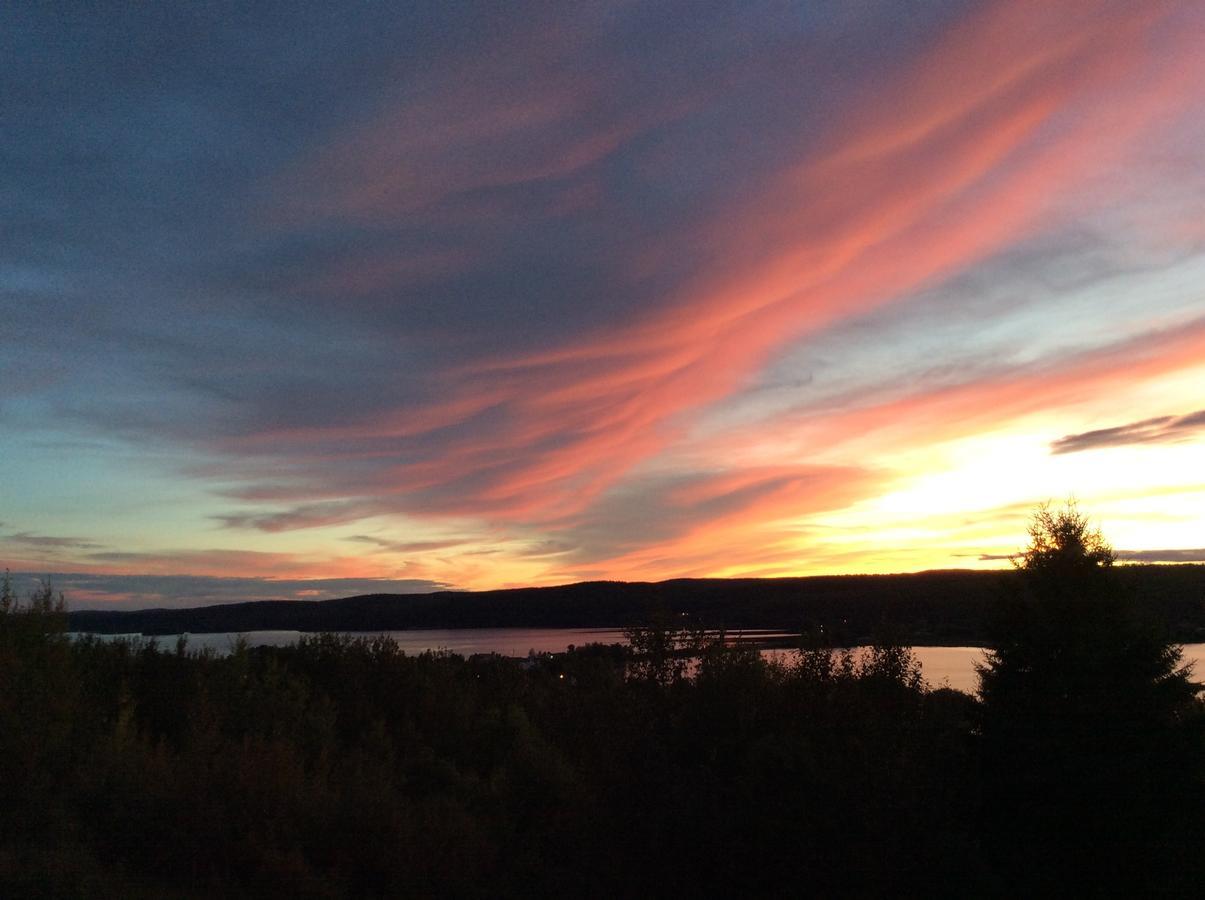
[312,299]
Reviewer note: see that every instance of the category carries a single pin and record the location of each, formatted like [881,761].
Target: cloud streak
[1160,429]
[1162,556]
[886,206]
[47,542]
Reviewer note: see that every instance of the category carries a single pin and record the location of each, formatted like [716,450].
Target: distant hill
[940,607]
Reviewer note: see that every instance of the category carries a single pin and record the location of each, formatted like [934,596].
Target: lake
[941,666]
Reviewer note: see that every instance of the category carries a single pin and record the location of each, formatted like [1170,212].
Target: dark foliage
[344,768]
[1091,731]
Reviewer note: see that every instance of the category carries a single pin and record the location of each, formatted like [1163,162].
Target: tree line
[951,608]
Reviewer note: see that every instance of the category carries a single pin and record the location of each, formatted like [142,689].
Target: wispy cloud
[98,591]
[1163,556]
[1158,430]
[885,204]
[390,546]
[47,542]
[311,515]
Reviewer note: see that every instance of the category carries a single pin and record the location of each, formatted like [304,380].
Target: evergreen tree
[1090,729]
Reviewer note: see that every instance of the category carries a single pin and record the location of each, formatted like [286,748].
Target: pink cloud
[982,141]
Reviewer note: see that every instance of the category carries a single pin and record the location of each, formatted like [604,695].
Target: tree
[8,598]
[1063,541]
[1088,722]
[661,652]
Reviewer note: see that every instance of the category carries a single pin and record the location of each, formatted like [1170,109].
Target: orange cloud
[729,522]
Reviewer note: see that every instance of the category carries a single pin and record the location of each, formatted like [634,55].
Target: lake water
[941,666]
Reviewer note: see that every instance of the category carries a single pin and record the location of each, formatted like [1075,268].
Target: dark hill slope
[941,607]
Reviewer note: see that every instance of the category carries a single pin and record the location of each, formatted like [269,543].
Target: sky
[301,300]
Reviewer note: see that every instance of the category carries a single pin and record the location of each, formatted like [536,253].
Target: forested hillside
[945,607]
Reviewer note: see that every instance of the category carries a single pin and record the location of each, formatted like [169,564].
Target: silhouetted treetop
[1063,539]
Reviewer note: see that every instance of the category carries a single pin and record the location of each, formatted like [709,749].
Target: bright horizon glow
[405,300]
